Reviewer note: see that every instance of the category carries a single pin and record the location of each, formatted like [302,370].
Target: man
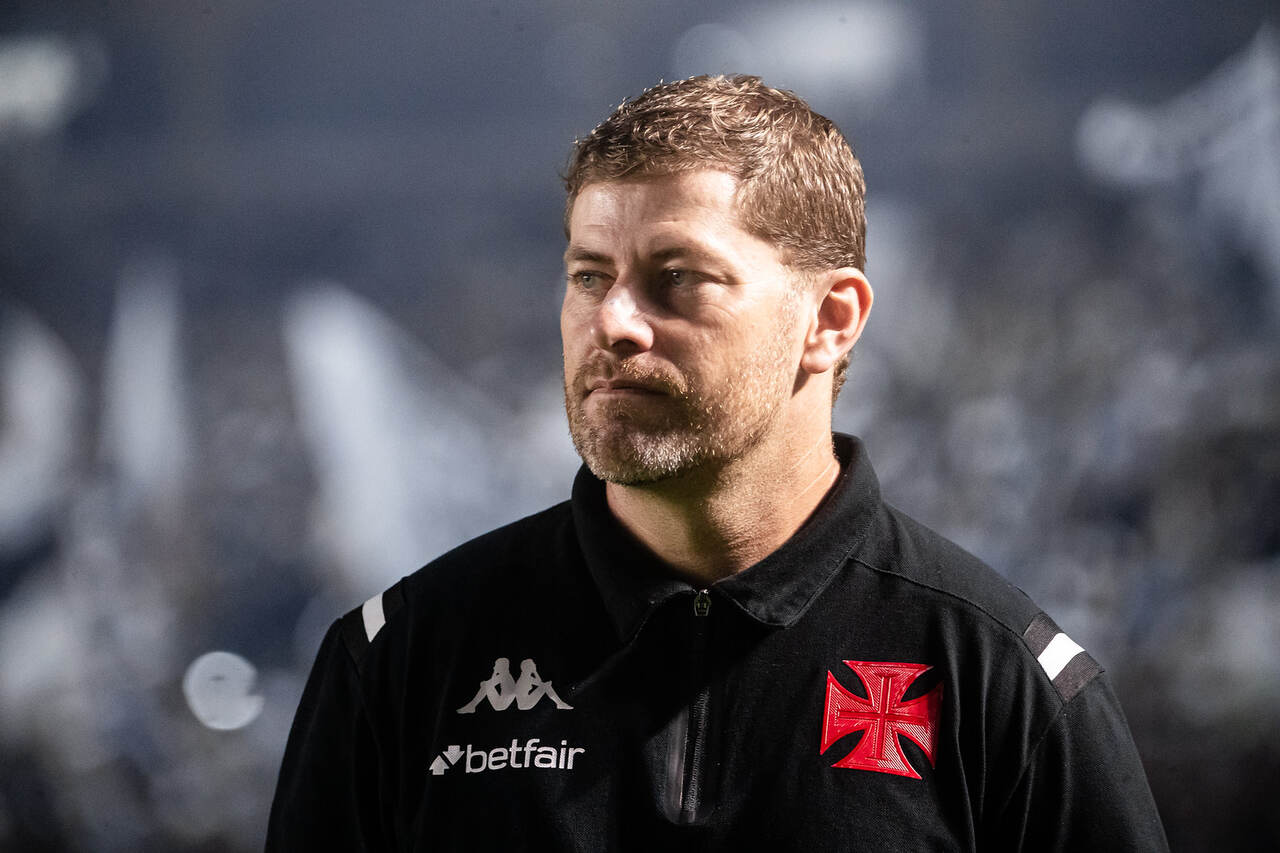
[749,649]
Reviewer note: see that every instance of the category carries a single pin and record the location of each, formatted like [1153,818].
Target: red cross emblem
[882,717]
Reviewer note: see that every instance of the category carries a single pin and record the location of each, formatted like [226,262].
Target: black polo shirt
[868,686]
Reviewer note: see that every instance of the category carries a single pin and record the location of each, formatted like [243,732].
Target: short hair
[800,185]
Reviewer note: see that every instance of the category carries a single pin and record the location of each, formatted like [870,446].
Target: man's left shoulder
[993,609]
[921,556]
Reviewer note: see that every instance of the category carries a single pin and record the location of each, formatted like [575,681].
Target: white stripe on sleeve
[1054,658]
[374,618]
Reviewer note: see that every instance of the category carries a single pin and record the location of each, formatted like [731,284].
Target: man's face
[681,342]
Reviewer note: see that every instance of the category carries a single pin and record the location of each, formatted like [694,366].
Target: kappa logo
[882,717]
[500,689]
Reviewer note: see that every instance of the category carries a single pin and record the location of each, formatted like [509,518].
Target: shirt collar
[775,591]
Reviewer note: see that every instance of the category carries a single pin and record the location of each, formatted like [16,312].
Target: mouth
[621,387]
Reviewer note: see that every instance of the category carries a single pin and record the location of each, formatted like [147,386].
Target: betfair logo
[500,689]
[519,756]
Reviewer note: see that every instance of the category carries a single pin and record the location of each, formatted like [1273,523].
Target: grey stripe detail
[1076,675]
[1040,633]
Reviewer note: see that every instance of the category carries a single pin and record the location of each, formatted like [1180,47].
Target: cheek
[575,336]
[577,321]
[574,308]
[568,323]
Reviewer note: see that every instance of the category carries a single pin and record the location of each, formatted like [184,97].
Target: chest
[704,732]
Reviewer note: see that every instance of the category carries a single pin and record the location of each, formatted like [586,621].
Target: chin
[636,460]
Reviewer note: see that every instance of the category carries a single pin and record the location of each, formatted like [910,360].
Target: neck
[709,524]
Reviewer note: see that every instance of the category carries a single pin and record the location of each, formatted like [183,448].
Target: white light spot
[1121,144]
[829,52]
[217,686]
[43,79]
[144,428]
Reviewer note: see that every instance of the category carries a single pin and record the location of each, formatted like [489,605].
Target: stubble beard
[689,427]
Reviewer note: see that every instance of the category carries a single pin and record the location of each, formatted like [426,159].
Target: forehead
[701,197]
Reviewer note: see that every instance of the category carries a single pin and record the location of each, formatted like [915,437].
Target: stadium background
[278,296]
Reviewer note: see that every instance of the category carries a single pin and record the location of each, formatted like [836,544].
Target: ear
[843,301]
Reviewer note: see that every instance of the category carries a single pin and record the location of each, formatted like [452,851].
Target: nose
[620,323]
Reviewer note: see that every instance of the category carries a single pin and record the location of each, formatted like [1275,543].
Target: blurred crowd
[278,300]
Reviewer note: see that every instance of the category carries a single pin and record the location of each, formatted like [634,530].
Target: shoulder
[980,606]
[531,551]
[903,548]
[514,553]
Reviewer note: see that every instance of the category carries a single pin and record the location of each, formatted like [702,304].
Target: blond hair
[800,186]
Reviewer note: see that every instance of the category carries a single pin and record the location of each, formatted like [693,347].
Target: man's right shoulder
[533,550]
[504,555]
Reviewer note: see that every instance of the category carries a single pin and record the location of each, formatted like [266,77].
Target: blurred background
[279,286]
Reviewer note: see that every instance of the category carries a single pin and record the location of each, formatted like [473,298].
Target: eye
[586,279]
[677,277]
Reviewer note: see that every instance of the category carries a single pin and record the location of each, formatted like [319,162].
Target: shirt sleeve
[1083,788]
[327,796]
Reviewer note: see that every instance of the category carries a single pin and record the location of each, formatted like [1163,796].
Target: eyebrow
[693,253]
[577,253]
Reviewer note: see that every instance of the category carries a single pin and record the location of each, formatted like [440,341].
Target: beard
[689,422]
